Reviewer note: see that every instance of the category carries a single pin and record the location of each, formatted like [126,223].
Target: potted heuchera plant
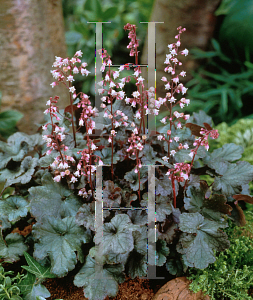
[53,181]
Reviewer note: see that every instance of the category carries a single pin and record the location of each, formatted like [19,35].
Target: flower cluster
[111,91]
[174,87]
[183,167]
[203,141]
[65,70]
[179,172]
[134,43]
[54,142]
[87,112]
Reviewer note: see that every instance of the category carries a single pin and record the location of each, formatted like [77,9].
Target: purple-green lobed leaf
[200,237]
[60,240]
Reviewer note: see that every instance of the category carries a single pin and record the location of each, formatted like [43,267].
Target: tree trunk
[197,16]
[31,35]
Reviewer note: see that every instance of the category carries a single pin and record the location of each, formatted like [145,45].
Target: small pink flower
[70,78]
[102,68]
[72,89]
[65,165]
[172,99]
[164,120]
[167,86]
[176,79]
[79,53]
[67,172]
[73,60]
[185,52]
[57,178]
[75,70]
[172,152]
[65,62]
[136,94]
[191,154]
[140,79]
[173,52]
[139,146]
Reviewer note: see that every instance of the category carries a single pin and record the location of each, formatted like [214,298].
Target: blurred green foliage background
[80,35]
[8,121]
[222,86]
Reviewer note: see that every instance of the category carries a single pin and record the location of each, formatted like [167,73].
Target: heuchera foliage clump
[54,180]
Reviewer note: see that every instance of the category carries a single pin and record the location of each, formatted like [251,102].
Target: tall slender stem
[72,114]
[174,192]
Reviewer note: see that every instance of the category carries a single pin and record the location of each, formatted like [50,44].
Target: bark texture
[197,16]
[31,35]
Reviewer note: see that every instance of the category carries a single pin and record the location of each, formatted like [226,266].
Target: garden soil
[131,289]
[63,288]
